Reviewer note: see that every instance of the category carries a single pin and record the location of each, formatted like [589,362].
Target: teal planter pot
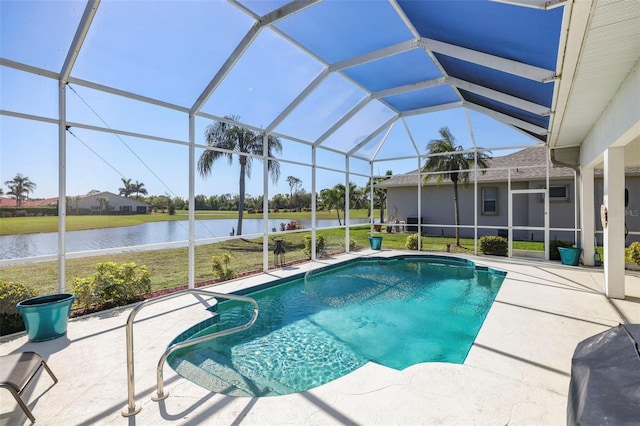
[46,317]
[570,255]
[375,243]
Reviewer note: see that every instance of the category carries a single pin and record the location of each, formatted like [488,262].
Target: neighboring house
[11,202]
[106,202]
[95,203]
[437,207]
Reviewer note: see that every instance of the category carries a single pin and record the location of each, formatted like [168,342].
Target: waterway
[30,245]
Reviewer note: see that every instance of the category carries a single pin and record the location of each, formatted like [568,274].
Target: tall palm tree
[127,189]
[238,141]
[138,189]
[20,187]
[453,164]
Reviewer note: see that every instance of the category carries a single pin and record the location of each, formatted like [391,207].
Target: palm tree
[294,183]
[138,189]
[127,189]
[238,141]
[453,164]
[20,187]
[335,197]
[332,198]
[379,194]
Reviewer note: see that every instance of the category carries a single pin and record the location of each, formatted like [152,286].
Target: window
[490,200]
[557,193]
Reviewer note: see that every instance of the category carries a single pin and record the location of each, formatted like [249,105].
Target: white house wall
[116,203]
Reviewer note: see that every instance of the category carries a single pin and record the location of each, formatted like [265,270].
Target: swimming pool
[317,327]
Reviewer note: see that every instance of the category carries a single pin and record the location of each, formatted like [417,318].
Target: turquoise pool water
[316,328]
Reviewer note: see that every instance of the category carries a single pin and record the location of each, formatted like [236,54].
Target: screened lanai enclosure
[275,107]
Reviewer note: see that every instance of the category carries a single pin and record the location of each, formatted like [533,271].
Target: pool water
[314,329]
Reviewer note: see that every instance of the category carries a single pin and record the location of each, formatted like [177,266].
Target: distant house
[106,203]
[11,202]
[437,207]
[95,203]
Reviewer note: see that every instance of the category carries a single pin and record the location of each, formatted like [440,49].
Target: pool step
[212,371]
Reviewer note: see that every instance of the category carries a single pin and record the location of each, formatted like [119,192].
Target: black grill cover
[605,379]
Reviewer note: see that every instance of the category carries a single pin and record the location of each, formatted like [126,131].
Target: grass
[169,267]
[33,225]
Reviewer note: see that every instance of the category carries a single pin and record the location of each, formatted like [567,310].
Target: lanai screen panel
[413,57]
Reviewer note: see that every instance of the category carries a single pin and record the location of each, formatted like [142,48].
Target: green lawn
[168,267]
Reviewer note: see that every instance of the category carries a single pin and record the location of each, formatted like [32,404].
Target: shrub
[634,252]
[554,253]
[10,294]
[319,246]
[220,266]
[494,245]
[412,242]
[113,284]
[352,244]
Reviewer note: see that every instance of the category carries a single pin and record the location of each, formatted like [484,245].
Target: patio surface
[517,371]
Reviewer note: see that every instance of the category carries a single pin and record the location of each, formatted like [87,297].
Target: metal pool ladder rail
[132,409]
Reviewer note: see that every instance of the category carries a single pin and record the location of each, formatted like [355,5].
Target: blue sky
[169,51]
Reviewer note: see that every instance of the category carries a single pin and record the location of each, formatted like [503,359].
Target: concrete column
[587,215]
[613,195]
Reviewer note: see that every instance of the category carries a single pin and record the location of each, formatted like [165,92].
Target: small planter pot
[46,317]
[375,243]
[570,255]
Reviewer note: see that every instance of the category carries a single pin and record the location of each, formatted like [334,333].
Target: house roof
[111,194]
[520,163]
[11,202]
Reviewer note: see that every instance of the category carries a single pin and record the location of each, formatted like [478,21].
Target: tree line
[229,141]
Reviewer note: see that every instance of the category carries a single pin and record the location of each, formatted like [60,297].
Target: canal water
[29,245]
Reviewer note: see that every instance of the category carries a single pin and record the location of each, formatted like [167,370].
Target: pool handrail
[132,409]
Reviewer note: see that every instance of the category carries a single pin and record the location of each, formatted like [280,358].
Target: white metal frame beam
[375,133]
[353,111]
[491,61]
[265,21]
[436,108]
[507,119]
[298,100]
[426,84]
[500,97]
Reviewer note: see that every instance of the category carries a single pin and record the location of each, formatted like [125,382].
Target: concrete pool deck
[517,371]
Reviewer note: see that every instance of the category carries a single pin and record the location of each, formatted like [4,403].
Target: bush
[10,294]
[494,245]
[220,266]
[319,246]
[554,253]
[634,252]
[412,242]
[113,284]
